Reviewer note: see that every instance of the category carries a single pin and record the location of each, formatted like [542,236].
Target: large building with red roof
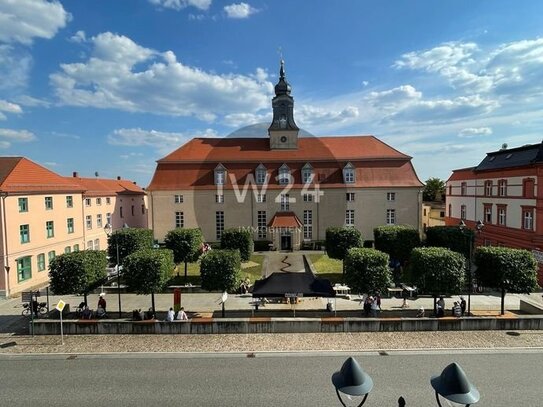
[285,188]
[43,214]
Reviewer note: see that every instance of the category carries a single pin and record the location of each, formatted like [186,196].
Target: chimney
[135,183]
[118,177]
[75,174]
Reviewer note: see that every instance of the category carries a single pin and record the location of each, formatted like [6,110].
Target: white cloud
[78,37]
[164,142]
[475,131]
[239,10]
[9,107]
[160,84]
[394,98]
[181,4]
[51,164]
[23,20]
[244,119]
[18,136]
[15,65]
[130,155]
[27,100]
[311,115]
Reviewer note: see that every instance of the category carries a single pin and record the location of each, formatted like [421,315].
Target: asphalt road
[504,379]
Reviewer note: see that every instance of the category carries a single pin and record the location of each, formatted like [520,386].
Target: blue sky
[112,86]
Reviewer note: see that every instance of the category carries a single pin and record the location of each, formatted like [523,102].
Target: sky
[112,86]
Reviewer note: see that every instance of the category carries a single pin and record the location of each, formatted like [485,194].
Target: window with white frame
[528,219]
[349,196]
[284,174]
[502,215]
[88,202]
[349,174]
[488,213]
[261,174]
[260,198]
[50,229]
[219,198]
[108,201]
[285,202]
[307,174]
[99,221]
[220,175]
[391,196]
[179,220]
[96,244]
[219,224]
[48,202]
[178,199]
[488,188]
[308,197]
[391,216]
[349,217]
[308,224]
[88,220]
[261,224]
[463,212]
[108,218]
[90,245]
[502,187]
[98,201]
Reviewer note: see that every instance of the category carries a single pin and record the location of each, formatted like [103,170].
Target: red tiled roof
[105,187]
[377,164]
[285,220]
[19,174]
[309,149]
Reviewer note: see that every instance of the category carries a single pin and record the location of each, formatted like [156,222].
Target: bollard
[401,402]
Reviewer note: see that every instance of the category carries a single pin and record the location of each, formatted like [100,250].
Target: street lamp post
[108,229]
[479,227]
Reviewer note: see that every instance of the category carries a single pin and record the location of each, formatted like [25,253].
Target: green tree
[509,270]
[128,241]
[238,239]
[220,270]
[367,271]
[434,190]
[77,272]
[340,240]
[186,245]
[451,237]
[147,271]
[437,270]
[397,241]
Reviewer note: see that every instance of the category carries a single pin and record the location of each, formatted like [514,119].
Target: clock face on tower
[283,139]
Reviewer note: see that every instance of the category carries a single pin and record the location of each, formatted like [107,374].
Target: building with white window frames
[300,185]
[502,192]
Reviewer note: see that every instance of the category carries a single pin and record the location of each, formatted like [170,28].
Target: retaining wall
[287,325]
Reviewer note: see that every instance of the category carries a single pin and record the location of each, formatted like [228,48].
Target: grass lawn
[328,268]
[251,269]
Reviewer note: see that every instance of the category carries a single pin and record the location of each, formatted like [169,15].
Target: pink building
[43,214]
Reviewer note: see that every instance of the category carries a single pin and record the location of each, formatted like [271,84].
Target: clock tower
[283,131]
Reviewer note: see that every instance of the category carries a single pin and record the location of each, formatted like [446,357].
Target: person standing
[463,305]
[102,302]
[440,307]
[375,308]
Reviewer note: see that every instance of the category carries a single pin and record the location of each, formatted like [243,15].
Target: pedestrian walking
[463,305]
[375,308]
[102,302]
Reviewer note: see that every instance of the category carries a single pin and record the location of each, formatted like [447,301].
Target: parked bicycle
[41,308]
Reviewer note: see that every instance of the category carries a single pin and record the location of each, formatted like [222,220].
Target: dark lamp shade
[352,380]
[454,385]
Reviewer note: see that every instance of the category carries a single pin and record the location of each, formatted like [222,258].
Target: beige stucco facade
[370,205]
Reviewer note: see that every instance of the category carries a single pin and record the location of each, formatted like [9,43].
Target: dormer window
[261,174]
[284,175]
[307,174]
[348,174]
[220,175]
